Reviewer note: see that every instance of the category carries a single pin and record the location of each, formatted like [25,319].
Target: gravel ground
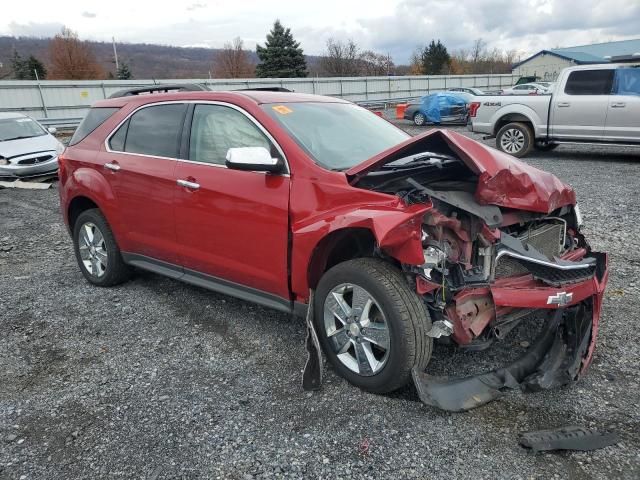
[157,379]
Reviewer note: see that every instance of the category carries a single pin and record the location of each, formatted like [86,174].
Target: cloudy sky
[395,27]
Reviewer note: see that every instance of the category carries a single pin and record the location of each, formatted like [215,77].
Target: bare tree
[478,50]
[233,61]
[341,59]
[72,59]
[372,63]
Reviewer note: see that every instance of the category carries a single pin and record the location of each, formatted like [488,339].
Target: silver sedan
[27,149]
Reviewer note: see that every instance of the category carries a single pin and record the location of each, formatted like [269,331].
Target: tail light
[62,161]
[473,108]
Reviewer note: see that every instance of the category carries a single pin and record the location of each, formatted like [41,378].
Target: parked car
[438,108]
[469,90]
[277,198]
[526,89]
[27,149]
[590,103]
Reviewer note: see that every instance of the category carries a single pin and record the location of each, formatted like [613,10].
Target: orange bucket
[400,108]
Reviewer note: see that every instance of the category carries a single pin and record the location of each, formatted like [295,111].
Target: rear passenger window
[627,81]
[117,140]
[215,129]
[154,130]
[589,82]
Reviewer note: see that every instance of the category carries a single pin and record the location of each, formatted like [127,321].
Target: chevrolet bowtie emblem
[561,298]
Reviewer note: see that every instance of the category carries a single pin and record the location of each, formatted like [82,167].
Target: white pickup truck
[596,104]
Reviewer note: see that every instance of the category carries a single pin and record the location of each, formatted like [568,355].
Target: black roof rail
[160,88]
[264,89]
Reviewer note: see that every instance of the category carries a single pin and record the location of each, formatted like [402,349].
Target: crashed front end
[499,244]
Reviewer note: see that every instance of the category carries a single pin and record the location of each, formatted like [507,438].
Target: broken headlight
[433,257]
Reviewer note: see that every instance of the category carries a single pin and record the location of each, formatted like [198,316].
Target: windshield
[337,136]
[17,128]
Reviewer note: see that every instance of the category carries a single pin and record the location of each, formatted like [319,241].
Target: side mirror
[52,130]
[257,159]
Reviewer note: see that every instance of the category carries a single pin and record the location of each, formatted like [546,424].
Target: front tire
[371,325]
[96,250]
[419,119]
[515,138]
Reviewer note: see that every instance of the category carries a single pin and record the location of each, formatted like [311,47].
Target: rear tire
[96,250]
[515,138]
[394,310]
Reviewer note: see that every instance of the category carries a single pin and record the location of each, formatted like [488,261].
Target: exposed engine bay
[487,267]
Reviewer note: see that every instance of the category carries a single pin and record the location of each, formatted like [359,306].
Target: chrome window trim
[287,171]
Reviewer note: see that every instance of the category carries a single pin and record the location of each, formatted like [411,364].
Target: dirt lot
[157,379]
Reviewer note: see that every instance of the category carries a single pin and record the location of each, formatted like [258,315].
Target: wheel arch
[338,246]
[508,115]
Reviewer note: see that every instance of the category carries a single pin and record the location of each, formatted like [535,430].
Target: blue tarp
[436,105]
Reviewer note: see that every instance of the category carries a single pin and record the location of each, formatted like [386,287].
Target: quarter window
[153,131]
[216,128]
[589,82]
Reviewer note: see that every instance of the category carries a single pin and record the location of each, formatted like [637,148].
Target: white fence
[66,101]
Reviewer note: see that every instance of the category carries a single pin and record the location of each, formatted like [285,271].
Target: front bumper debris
[559,355]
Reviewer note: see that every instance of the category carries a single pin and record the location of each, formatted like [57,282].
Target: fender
[87,182]
[539,126]
[397,230]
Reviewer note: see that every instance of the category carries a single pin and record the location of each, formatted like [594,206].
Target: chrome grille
[35,160]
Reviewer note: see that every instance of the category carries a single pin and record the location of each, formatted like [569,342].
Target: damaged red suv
[279,197]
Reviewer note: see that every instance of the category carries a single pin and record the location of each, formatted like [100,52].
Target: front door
[140,166]
[232,225]
[580,111]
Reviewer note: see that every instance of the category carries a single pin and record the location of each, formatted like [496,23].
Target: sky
[394,27]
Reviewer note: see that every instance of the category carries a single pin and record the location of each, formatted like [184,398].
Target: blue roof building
[546,64]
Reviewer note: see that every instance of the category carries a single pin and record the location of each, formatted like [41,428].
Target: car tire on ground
[419,119]
[515,138]
[371,325]
[96,250]
[545,147]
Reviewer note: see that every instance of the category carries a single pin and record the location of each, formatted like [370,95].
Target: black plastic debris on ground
[567,438]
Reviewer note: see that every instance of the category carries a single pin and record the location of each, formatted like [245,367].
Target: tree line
[281,56]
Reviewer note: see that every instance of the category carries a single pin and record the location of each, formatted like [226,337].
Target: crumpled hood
[25,146]
[502,179]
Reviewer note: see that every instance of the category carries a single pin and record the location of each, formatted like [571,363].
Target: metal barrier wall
[65,102]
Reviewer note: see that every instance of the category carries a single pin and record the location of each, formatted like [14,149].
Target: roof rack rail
[160,88]
[264,89]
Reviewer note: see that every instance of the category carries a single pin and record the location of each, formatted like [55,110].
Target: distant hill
[146,60]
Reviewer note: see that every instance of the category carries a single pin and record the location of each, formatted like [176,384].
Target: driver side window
[216,128]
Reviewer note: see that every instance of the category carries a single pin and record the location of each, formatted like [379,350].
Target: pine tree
[281,56]
[124,72]
[435,59]
[26,69]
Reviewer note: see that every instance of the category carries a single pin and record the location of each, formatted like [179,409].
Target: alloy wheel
[356,328]
[93,249]
[512,140]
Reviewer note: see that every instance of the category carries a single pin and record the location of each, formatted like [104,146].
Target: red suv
[270,196]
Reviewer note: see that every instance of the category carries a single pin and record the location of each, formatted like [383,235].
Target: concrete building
[547,64]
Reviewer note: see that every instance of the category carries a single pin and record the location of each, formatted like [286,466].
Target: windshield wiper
[17,138]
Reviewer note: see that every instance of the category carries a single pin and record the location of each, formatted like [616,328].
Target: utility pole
[115,53]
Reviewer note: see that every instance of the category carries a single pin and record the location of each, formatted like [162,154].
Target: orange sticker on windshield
[282,110]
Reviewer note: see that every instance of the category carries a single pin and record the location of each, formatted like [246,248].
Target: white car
[470,90]
[27,149]
[528,89]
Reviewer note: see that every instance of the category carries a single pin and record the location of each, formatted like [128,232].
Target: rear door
[623,117]
[580,111]
[231,225]
[140,162]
